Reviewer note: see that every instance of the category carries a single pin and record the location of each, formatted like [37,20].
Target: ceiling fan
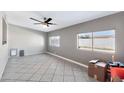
[46,21]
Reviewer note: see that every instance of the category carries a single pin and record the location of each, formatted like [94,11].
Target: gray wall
[68,41]
[31,41]
[3,49]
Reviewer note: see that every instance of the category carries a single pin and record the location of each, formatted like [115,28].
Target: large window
[54,41]
[104,40]
[85,40]
[97,41]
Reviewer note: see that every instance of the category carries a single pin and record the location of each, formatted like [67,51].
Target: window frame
[54,45]
[106,51]
[97,50]
[89,49]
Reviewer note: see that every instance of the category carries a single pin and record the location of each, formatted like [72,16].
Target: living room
[94,36]
[61,46]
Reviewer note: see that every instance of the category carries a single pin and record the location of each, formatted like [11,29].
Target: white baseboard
[72,61]
[31,54]
[3,68]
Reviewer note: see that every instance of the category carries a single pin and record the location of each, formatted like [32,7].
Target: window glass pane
[54,41]
[57,41]
[104,40]
[50,41]
[85,40]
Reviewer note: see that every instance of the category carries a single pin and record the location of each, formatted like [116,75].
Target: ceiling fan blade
[52,23]
[48,20]
[37,23]
[35,19]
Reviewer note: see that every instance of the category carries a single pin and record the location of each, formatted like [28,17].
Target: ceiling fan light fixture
[44,26]
[46,23]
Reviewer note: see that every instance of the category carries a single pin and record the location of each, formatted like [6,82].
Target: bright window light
[97,41]
[85,40]
[54,41]
[104,40]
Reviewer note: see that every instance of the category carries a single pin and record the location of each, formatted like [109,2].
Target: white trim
[72,61]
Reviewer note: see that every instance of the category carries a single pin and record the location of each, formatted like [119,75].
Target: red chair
[117,73]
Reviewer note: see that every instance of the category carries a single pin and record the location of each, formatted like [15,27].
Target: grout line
[54,71]
[24,73]
[45,70]
[35,72]
[73,73]
[49,63]
[64,72]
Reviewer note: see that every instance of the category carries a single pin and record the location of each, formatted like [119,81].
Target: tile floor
[43,68]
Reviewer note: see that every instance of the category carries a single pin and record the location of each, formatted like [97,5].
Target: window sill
[95,50]
[55,46]
[104,51]
[85,49]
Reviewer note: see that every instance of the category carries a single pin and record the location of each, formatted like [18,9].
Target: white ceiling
[61,18]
